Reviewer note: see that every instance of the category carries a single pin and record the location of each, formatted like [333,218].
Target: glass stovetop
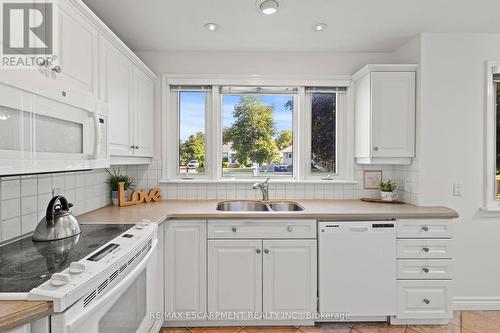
[25,264]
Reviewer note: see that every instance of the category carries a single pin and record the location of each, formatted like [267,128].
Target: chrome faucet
[264,187]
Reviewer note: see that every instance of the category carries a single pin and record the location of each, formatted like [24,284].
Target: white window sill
[489,211]
[252,181]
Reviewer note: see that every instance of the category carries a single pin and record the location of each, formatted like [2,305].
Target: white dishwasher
[357,269]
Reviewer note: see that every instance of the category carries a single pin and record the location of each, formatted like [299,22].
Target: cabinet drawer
[424,299]
[424,228]
[261,229]
[424,248]
[425,269]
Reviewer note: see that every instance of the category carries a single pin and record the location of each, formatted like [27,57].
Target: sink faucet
[264,187]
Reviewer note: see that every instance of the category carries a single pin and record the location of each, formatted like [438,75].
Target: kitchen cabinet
[288,264]
[424,271]
[385,97]
[128,95]
[252,273]
[235,276]
[185,267]
[72,76]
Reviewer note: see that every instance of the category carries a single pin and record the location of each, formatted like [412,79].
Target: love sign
[137,197]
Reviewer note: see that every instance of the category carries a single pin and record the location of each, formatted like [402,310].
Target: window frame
[491,205]
[213,127]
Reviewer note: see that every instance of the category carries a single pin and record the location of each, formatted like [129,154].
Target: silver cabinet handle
[425,270]
[426,301]
[425,249]
[234,229]
[266,251]
[258,251]
[56,69]
[425,228]
[375,148]
[289,229]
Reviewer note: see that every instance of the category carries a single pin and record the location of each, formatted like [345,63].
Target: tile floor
[463,322]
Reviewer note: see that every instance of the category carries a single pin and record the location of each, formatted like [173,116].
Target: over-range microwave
[40,134]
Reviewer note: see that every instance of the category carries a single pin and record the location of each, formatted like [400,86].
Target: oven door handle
[115,292]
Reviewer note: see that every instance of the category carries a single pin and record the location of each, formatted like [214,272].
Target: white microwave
[40,134]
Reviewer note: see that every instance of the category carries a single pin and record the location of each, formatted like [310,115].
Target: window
[257,132]
[190,104]
[247,132]
[497,143]
[323,132]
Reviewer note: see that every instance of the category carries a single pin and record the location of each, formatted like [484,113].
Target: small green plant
[388,186]
[116,177]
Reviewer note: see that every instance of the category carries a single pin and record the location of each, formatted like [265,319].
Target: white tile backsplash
[24,199]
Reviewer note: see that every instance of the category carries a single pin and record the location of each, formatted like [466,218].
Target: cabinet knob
[425,270]
[375,148]
[64,93]
[426,301]
[266,251]
[289,229]
[56,69]
[425,249]
[258,251]
[133,147]
[425,228]
[234,229]
[136,147]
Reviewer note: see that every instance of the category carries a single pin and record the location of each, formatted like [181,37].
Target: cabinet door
[77,52]
[393,114]
[143,113]
[116,81]
[289,277]
[185,266]
[235,276]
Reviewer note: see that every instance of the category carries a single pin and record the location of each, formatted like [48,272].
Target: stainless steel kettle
[58,222]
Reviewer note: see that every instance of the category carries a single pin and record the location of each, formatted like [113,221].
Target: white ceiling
[353,25]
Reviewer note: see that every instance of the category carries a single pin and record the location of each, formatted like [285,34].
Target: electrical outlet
[458,189]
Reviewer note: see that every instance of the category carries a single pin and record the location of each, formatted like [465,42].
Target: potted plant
[114,179]
[387,191]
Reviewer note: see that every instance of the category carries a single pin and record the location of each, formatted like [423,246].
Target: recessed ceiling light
[320,27]
[269,7]
[211,26]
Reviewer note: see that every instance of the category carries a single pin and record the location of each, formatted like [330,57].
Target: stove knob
[59,279]
[77,267]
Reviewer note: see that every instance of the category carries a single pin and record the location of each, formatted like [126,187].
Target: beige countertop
[314,209]
[17,313]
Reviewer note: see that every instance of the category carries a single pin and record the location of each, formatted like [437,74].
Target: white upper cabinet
[76,63]
[144,113]
[385,114]
[127,92]
[116,96]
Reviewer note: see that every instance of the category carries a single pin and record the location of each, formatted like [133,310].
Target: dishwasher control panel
[357,227]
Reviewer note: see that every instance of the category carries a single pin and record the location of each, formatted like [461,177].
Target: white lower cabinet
[425,272]
[289,278]
[424,299]
[185,269]
[235,277]
[274,277]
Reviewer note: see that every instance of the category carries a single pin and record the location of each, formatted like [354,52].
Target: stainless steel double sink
[259,206]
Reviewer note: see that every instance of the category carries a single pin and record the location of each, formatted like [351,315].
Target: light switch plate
[457,189]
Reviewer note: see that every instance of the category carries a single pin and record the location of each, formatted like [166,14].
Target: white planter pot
[388,196]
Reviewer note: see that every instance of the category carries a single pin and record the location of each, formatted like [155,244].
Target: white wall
[450,135]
